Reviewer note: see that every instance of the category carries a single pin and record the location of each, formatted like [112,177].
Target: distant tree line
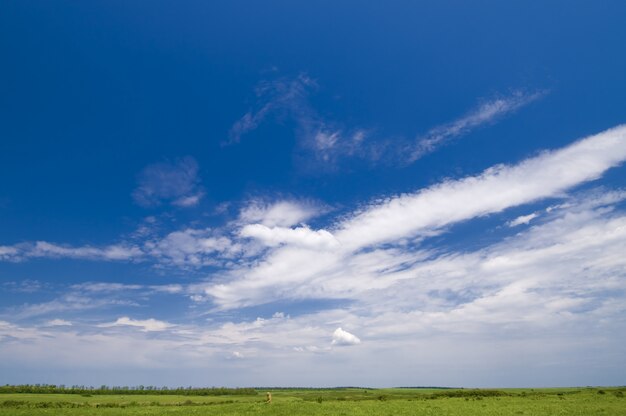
[138,390]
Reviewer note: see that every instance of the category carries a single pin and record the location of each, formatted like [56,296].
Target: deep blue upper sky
[256,128]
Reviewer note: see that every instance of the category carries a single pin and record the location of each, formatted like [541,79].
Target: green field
[352,401]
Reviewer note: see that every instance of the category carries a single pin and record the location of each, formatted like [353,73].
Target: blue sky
[338,193]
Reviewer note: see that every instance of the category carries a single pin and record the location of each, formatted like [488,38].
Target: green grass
[290,402]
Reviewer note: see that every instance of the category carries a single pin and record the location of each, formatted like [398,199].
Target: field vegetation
[79,400]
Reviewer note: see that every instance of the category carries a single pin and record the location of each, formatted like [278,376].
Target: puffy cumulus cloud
[298,237]
[341,337]
[147,325]
[284,213]
[176,183]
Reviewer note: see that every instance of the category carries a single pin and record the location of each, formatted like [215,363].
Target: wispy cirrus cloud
[555,283]
[280,98]
[188,247]
[523,219]
[559,284]
[58,322]
[176,183]
[487,112]
[497,188]
[289,99]
[44,249]
[329,140]
[68,303]
[297,271]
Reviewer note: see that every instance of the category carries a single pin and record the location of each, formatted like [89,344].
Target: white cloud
[289,98]
[284,213]
[548,295]
[190,247]
[498,188]
[72,301]
[558,285]
[58,322]
[188,201]
[104,287]
[298,237]
[8,253]
[289,271]
[170,289]
[279,98]
[187,247]
[522,219]
[327,140]
[147,325]
[175,183]
[112,252]
[341,337]
[487,112]
[24,286]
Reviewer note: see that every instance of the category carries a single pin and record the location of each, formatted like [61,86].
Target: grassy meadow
[348,401]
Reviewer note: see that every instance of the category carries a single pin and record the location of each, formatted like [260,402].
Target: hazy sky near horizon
[337,193]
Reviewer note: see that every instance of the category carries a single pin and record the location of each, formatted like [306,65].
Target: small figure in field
[268,399]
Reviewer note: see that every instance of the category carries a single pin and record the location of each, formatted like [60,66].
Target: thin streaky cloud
[44,249]
[329,140]
[468,295]
[283,97]
[500,187]
[522,220]
[58,322]
[146,325]
[289,99]
[361,238]
[487,112]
